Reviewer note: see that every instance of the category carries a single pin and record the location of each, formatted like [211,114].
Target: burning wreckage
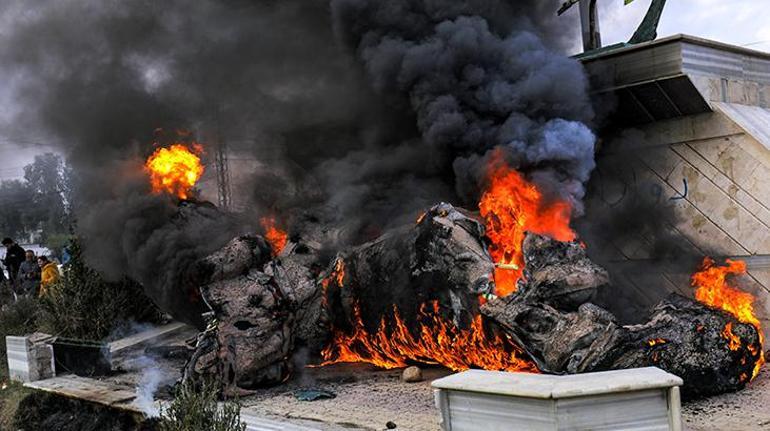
[373,111]
[508,288]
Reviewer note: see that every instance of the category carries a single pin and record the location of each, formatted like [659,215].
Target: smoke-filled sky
[369,111]
[706,18]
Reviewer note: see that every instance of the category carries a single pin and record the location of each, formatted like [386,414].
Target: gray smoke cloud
[148,386]
[479,76]
[366,111]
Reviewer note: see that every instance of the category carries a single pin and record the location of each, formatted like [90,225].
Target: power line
[23,143]
[757,43]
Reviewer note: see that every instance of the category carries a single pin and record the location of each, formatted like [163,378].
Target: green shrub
[198,410]
[16,318]
[83,305]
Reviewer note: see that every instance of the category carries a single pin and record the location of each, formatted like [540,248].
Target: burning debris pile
[413,296]
[509,288]
[423,294]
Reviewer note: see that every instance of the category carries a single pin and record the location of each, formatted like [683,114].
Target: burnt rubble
[249,334]
[266,308]
[686,338]
[442,258]
[551,318]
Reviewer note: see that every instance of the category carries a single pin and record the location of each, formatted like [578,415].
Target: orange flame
[274,235]
[733,341]
[337,275]
[512,206]
[437,342]
[714,290]
[656,342]
[174,170]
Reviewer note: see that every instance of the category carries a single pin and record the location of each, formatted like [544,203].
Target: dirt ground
[746,410]
[367,399]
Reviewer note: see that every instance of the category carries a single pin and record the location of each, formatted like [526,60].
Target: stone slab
[146,337]
[542,386]
[83,388]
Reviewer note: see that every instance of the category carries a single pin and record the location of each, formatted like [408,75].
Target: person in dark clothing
[5,286]
[14,256]
[28,281]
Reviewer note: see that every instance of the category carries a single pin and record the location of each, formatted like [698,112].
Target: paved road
[254,423]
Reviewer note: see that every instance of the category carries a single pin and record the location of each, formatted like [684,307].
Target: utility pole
[223,176]
[589,23]
[222,168]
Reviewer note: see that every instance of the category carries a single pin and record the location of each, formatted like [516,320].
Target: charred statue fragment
[442,258]
[413,296]
[251,332]
[559,273]
[710,349]
[550,316]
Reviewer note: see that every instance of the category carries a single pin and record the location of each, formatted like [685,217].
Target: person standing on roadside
[29,275]
[49,276]
[14,256]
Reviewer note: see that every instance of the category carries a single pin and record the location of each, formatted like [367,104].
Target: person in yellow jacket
[49,274]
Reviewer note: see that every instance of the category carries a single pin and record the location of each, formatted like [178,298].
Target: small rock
[392,425]
[412,375]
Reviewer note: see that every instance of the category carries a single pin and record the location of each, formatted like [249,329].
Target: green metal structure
[647,31]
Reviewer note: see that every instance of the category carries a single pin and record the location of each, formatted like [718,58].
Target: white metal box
[30,358]
[636,399]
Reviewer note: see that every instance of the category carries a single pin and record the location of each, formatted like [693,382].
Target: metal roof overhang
[653,81]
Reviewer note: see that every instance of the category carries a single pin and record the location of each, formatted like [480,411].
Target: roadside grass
[197,409]
[10,397]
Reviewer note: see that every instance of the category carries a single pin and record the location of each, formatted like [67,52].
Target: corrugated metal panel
[471,411]
[678,55]
[753,119]
[633,411]
[719,63]
[712,62]
[636,66]
[17,351]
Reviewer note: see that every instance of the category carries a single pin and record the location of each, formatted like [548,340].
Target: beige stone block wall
[726,209]
[733,91]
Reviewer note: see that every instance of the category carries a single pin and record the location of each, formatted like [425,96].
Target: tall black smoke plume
[367,111]
[477,82]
